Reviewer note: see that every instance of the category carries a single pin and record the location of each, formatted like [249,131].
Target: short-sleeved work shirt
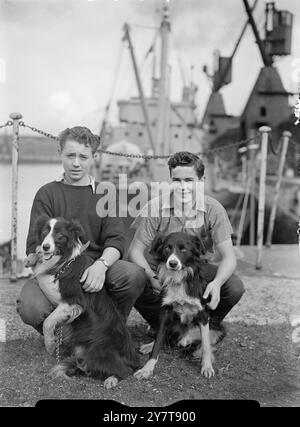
[211,224]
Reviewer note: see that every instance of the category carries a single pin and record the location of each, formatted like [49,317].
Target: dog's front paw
[207,370]
[143,374]
[146,348]
[146,371]
[31,260]
[110,382]
[76,311]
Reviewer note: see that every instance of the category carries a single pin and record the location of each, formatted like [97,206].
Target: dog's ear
[157,245]
[75,227]
[198,246]
[38,226]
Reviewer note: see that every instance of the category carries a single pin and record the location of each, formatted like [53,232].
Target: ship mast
[139,84]
[161,143]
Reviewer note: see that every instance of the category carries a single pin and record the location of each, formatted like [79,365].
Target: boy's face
[184,182]
[76,160]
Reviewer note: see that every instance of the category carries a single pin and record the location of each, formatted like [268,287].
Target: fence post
[14,212]
[286,135]
[252,147]
[264,130]
[243,213]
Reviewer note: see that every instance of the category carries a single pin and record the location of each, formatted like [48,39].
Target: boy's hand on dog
[94,277]
[212,289]
[156,285]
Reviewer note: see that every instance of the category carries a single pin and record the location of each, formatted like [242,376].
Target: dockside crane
[220,77]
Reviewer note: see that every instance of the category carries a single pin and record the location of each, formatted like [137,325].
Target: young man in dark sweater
[74,196]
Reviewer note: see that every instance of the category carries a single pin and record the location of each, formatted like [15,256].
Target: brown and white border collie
[98,339]
[184,313]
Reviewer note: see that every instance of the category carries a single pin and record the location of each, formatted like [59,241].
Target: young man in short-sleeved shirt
[200,215]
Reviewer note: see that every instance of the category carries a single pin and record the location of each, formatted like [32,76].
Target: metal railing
[263,136]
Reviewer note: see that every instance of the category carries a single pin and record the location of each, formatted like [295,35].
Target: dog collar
[67,264]
[64,267]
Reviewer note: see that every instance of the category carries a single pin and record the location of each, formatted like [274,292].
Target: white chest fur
[50,288]
[185,306]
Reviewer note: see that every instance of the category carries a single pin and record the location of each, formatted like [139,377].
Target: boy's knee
[136,277]
[126,276]
[32,305]
[237,288]
[29,313]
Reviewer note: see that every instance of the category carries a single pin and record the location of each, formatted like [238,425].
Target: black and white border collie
[184,313]
[97,337]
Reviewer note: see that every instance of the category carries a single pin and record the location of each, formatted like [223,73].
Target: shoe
[151,331]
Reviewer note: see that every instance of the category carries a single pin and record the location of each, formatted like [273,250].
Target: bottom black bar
[184,412]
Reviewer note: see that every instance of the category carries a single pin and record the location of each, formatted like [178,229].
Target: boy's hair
[185,158]
[80,134]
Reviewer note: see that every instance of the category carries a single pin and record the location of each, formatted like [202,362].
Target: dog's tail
[131,356]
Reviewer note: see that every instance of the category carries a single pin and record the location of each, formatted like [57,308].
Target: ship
[153,124]
[156,125]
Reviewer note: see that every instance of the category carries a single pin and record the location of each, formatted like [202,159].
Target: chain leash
[59,329]
[58,342]
[65,267]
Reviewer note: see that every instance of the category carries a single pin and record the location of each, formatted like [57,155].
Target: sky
[58,58]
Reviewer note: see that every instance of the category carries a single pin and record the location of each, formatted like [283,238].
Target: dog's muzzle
[173,263]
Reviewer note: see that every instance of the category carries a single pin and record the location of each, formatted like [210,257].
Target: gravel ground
[257,360]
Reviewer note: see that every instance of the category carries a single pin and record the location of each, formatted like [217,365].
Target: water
[31,178]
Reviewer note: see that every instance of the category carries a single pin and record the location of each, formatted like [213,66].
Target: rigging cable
[112,92]
[178,59]
[261,22]
[141,66]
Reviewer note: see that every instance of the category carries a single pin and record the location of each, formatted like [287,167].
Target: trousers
[148,304]
[124,282]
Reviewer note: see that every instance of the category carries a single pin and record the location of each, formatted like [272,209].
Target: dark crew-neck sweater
[57,199]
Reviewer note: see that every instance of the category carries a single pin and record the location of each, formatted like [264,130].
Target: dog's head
[177,250]
[56,236]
